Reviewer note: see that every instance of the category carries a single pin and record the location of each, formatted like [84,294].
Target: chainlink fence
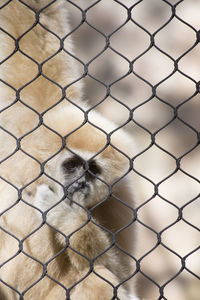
[142,71]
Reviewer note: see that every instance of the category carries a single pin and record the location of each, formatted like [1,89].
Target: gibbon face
[79,175]
[85,179]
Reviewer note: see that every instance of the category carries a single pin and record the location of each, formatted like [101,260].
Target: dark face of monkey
[80,177]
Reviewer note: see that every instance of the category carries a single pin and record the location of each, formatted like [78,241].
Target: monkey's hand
[54,209]
[45,199]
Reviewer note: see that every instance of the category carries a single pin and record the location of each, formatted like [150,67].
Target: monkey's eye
[71,164]
[94,168]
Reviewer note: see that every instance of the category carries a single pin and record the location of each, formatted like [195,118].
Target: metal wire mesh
[162,125]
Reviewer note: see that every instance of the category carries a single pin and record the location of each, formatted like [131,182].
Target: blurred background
[152,67]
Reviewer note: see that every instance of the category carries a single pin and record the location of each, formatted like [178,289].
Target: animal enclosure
[139,61]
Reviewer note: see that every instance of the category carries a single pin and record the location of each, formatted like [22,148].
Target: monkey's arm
[26,34]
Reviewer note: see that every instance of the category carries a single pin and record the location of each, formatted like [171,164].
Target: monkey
[66,200]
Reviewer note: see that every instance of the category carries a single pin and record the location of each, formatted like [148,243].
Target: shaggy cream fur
[40,258]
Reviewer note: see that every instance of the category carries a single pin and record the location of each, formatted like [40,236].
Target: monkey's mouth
[77,190]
